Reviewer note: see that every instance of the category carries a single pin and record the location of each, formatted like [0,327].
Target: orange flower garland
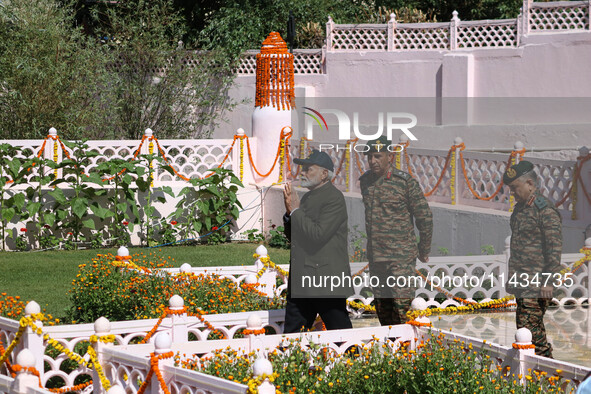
[275,74]
[522,347]
[78,387]
[32,370]
[254,332]
[155,370]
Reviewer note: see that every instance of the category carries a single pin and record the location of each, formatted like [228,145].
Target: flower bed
[436,366]
[140,289]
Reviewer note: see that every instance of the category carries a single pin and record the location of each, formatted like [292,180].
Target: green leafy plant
[74,211]
[209,205]
[21,241]
[168,232]
[277,237]
[150,223]
[121,200]
[443,251]
[254,235]
[487,249]
[358,241]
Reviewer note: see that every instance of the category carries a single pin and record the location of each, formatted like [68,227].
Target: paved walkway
[569,330]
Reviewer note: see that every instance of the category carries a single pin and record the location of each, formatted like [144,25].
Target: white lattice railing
[305,61]
[484,172]
[458,34]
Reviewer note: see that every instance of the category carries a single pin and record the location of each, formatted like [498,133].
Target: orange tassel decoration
[274,74]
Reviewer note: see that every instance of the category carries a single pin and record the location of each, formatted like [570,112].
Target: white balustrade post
[162,344]
[179,330]
[391,31]
[525,10]
[33,341]
[262,252]
[418,304]
[116,389]
[53,151]
[519,22]
[149,147]
[255,334]
[453,31]
[587,247]
[102,327]
[262,367]
[268,279]
[329,29]
[401,164]
[456,173]
[504,275]
[24,379]
[523,340]
[241,162]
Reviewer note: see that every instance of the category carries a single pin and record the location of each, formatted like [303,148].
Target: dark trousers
[300,313]
[530,314]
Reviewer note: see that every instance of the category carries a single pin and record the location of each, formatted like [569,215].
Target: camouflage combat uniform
[536,246]
[392,202]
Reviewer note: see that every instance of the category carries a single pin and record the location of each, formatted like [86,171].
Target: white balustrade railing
[483,170]
[458,34]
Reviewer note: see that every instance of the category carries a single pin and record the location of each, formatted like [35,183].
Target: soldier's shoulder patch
[540,202]
[401,174]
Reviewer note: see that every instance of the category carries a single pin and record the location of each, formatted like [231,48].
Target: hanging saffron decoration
[274,83]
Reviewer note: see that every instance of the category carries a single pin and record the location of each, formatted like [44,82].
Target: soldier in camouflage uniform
[394,203]
[536,245]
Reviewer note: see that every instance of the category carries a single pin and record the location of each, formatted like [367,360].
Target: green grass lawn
[46,276]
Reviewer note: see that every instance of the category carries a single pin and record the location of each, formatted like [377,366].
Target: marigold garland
[78,387]
[154,370]
[274,75]
[254,332]
[97,367]
[578,264]
[32,370]
[523,347]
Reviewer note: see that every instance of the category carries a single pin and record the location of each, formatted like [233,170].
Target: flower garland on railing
[274,162]
[523,347]
[154,370]
[578,264]
[124,263]
[447,159]
[267,263]
[358,305]
[97,367]
[241,157]
[452,181]
[500,303]
[274,74]
[447,293]
[254,383]
[32,370]
[78,387]
[248,331]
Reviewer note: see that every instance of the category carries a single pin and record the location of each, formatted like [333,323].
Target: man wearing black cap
[394,204]
[319,275]
[536,246]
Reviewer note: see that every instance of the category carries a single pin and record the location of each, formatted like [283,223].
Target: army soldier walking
[394,204]
[536,246]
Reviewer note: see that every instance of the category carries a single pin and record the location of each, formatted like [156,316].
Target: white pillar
[261,367]
[519,367]
[102,327]
[162,344]
[179,331]
[32,340]
[25,379]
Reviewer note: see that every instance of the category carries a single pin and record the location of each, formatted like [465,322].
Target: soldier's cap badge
[517,170]
[378,145]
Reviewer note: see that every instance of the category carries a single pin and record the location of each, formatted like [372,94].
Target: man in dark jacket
[320,275]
